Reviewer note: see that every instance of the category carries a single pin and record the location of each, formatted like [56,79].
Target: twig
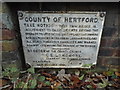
[4,87]
[61,83]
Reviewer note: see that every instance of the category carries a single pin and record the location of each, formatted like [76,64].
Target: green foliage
[114,76]
[41,78]
[88,78]
[12,73]
[25,86]
[81,78]
[20,84]
[60,87]
[47,83]
[89,86]
[110,73]
[31,70]
[104,84]
[6,73]
[87,65]
[32,83]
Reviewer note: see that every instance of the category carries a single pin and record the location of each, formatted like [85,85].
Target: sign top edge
[55,12]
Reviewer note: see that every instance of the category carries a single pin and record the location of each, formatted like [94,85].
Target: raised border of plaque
[61,39]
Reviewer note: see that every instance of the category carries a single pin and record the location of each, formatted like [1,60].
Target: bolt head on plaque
[20,15]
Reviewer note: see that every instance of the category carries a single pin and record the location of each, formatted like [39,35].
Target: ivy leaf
[47,83]
[33,83]
[104,84]
[60,87]
[31,70]
[101,85]
[20,85]
[5,73]
[41,78]
[14,79]
[89,86]
[13,69]
[108,73]
[114,76]
[25,86]
[81,78]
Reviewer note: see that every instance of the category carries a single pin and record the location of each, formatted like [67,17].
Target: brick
[105,61]
[109,52]
[0,45]
[7,34]
[103,42]
[110,32]
[112,61]
[9,45]
[116,52]
[9,56]
[105,52]
[115,42]
[110,42]
[111,19]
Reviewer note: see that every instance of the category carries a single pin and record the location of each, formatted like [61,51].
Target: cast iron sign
[61,40]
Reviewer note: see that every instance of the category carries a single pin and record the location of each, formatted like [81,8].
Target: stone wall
[109,53]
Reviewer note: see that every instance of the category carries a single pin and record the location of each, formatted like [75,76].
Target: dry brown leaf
[50,79]
[75,80]
[57,84]
[46,74]
[0,82]
[117,74]
[3,82]
[116,80]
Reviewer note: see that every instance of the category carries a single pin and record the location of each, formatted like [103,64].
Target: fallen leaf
[116,80]
[25,86]
[95,80]
[61,75]
[116,85]
[47,83]
[41,78]
[117,74]
[4,82]
[77,72]
[33,83]
[100,76]
[75,80]
[39,85]
[57,84]
[89,86]
[20,84]
[108,73]
[46,74]
[81,78]
[0,82]
[114,76]
[31,70]
[50,79]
